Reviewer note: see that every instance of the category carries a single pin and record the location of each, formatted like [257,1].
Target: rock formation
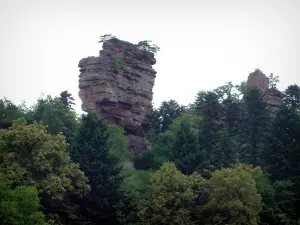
[259,80]
[272,96]
[117,85]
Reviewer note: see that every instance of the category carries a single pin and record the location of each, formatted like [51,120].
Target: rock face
[259,80]
[117,85]
[273,97]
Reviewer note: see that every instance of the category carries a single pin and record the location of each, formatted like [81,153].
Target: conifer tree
[209,107]
[224,153]
[283,155]
[91,151]
[255,127]
[186,152]
[67,99]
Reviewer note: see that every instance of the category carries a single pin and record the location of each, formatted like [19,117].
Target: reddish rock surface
[117,85]
[273,97]
[259,80]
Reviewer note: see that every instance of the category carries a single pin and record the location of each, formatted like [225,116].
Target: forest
[220,160]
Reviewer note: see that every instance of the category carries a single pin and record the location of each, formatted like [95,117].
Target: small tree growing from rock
[273,81]
[119,62]
[106,37]
[148,46]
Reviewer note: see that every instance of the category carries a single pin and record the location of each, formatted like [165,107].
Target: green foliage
[168,199]
[164,116]
[117,144]
[225,152]
[136,185]
[292,98]
[190,109]
[256,70]
[9,112]
[229,97]
[185,150]
[106,37]
[286,201]
[161,120]
[270,211]
[282,156]
[19,205]
[134,188]
[31,156]
[169,111]
[56,115]
[208,105]
[211,110]
[119,62]
[148,46]
[273,81]
[225,126]
[227,91]
[179,145]
[241,88]
[91,151]
[232,129]
[236,190]
[254,127]
[67,99]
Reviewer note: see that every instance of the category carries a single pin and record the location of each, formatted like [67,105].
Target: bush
[147,46]
[107,37]
[119,62]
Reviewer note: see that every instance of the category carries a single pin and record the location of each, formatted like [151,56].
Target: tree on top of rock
[148,46]
[106,37]
[273,81]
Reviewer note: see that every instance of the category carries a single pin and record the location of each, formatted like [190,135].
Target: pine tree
[255,127]
[67,99]
[211,110]
[283,155]
[186,152]
[284,152]
[224,153]
[91,151]
[231,107]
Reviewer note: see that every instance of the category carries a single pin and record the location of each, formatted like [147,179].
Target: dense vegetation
[219,160]
[145,45]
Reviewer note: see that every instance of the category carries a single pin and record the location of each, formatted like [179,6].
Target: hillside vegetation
[220,160]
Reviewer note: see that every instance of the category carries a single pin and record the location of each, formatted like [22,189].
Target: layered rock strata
[117,85]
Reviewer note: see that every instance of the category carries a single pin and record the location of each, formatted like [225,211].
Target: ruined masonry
[273,97]
[117,85]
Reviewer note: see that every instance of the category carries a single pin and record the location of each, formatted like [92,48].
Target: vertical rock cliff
[272,96]
[117,85]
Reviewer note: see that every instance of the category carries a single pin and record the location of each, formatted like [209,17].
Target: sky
[204,43]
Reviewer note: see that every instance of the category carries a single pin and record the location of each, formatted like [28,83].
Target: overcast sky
[204,43]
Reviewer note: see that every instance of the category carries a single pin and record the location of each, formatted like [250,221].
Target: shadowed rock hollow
[118,85]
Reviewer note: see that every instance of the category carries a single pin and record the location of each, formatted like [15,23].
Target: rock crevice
[118,85]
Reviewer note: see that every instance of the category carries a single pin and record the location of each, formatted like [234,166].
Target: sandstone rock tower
[117,85]
[272,96]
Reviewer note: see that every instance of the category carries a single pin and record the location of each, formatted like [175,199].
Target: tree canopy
[222,159]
